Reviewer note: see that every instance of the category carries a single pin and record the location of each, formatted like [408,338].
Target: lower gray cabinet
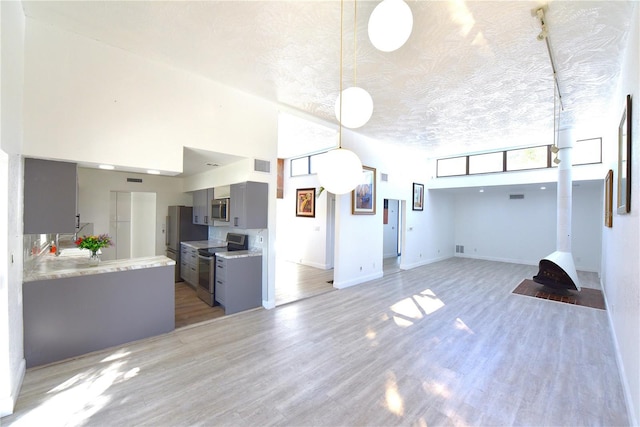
[189,264]
[238,282]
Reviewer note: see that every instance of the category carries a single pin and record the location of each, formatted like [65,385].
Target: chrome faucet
[75,235]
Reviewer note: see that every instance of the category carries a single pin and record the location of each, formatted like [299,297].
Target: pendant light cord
[355,38]
[340,113]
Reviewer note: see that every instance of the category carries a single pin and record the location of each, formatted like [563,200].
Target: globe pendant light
[340,170]
[357,105]
[354,105]
[390,25]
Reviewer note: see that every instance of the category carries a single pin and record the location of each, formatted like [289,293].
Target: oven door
[206,279]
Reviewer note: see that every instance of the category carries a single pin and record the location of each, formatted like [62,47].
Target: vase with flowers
[94,244]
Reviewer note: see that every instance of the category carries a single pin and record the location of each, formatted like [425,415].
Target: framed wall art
[418,197]
[363,197]
[306,202]
[624,160]
[608,199]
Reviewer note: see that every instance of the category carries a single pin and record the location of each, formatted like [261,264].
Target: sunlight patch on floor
[393,400]
[414,308]
[463,326]
[74,401]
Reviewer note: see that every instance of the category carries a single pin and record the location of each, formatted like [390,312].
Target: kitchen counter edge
[78,266]
[239,254]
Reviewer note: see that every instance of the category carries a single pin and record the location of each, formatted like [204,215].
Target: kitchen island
[71,308]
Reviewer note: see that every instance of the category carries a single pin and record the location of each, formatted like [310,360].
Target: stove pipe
[557,270]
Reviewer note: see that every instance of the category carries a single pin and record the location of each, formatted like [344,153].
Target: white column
[565,190]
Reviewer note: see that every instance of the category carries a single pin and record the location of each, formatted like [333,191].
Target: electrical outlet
[260,239]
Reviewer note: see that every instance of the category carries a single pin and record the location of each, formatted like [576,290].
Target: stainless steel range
[207,265]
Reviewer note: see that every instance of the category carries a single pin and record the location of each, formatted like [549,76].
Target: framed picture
[624,160]
[306,202]
[363,197]
[418,196]
[608,199]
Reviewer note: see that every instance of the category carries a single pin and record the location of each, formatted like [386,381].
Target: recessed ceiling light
[543,188]
[482,190]
[107,167]
[153,172]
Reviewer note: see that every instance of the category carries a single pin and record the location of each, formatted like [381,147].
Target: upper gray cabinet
[249,207]
[50,196]
[201,206]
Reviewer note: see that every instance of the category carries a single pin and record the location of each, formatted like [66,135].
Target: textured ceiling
[472,76]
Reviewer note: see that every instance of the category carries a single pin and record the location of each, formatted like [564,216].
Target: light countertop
[52,267]
[203,244]
[239,254]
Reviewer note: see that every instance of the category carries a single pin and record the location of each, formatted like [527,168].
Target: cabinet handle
[206,219]
[235,221]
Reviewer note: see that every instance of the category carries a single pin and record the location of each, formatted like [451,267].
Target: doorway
[392,244]
[304,266]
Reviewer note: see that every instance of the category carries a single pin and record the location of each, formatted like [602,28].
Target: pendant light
[340,170]
[354,105]
[390,25]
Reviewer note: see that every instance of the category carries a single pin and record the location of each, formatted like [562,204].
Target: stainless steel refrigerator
[180,228]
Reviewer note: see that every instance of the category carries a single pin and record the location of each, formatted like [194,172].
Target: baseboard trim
[8,403]
[357,281]
[406,266]
[621,372]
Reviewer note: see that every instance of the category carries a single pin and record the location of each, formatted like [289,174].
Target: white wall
[95,186]
[621,244]
[87,101]
[12,363]
[491,226]
[428,234]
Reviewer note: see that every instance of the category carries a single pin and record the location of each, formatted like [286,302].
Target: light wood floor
[443,344]
[296,281]
[190,309]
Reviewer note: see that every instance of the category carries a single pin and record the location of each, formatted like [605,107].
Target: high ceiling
[472,77]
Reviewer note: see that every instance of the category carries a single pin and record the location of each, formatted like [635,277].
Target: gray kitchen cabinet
[238,282]
[50,196]
[201,206]
[189,264]
[249,205]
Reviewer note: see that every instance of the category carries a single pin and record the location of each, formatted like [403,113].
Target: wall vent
[384,177]
[134,180]
[516,196]
[261,165]
[459,249]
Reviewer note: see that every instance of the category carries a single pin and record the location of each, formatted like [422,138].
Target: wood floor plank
[443,344]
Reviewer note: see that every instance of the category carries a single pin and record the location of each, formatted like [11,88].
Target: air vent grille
[516,196]
[459,249]
[261,165]
[139,180]
[384,177]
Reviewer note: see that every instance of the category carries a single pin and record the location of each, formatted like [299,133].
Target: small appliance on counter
[207,265]
[180,227]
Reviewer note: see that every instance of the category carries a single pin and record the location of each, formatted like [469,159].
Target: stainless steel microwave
[220,209]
